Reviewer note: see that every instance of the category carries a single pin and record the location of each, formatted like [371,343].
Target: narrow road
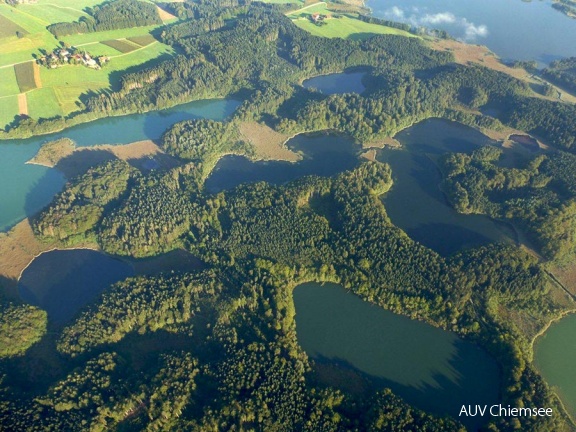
[306,7]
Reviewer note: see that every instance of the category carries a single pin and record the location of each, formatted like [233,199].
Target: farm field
[142,40]
[61,96]
[124,46]
[25,76]
[62,87]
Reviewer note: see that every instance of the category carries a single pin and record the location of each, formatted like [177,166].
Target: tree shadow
[444,397]
[81,160]
[63,281]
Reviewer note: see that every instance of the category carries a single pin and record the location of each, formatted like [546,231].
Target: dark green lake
[25,189]
[416,204]
[555,357]
[323,155]
[337,83]
[428,367]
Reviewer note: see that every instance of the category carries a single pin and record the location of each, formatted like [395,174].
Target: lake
[63,281]
[337,83]
[513,29]
[555,356]
[415,202]
[323,155]
[428,367]
[25,189]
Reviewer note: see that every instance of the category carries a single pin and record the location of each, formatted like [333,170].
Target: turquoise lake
[25,189]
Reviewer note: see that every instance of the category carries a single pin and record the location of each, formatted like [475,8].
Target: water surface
[25,189]
[63,281]
[323,155]
[513,29]
[337,83]
[555,357]
[430,368]
[415,202]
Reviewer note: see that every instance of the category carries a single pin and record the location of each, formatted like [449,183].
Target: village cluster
[71,55]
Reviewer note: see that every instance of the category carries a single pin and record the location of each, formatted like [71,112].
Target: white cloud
[396,12]
[467,30]
[439,18]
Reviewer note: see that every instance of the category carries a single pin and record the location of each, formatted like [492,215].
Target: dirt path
[306,7]
[37,79]
[22,104]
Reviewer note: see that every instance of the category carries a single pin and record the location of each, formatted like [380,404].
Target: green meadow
[8,108]
[337,24]
[8,83]
[346,27]
[63,87]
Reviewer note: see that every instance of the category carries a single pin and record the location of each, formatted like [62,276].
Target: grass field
[124,46]
[52,12]
[8,109]
[25,76]
[347,28]
[97,49]
[42,103]
[80,39]
[9,28]
[8,83]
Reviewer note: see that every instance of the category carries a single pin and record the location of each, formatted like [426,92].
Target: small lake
[555,357]
[415,202]
[63,281]
[428,367]
[323,155]
[337,83]
[25,189]
[513,29]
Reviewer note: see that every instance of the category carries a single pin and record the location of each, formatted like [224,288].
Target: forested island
[215,348]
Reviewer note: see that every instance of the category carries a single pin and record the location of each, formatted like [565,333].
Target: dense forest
[260,241]
[117,14]
[216,349]
[563,73]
